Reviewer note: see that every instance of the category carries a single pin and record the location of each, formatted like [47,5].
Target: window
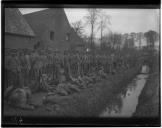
[52,35]
[68,36]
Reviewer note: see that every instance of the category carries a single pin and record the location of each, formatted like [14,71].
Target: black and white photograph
[81,62]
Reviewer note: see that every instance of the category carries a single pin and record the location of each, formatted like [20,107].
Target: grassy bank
[149,99]
[89,102]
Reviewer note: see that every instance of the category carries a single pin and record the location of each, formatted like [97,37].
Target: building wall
[16,41]
[53,20]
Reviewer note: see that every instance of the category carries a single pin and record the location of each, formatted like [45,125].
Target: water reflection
[126,104]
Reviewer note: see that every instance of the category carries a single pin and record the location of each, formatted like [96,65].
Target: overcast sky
[122,20]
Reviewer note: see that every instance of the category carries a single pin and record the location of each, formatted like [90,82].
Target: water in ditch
[129,99]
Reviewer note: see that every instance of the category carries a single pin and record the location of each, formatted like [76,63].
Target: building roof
[15,23]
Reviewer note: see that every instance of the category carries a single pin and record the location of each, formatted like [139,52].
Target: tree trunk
[101,33]
[140,40]
[92,37]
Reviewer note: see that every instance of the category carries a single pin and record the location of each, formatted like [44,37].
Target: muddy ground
[89,102]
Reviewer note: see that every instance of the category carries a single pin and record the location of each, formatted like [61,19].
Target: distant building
[18,33]
[53,29]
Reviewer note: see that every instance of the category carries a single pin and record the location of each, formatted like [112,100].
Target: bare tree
[129,43]
[140,39]
[151,37]
[78,27]
[91,19]
[104,21]
[115,40]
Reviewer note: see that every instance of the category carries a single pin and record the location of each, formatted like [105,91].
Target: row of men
[21,68]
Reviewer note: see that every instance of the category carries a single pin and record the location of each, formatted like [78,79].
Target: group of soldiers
[63,73]
[22,69]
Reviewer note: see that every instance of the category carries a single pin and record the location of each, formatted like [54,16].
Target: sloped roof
[15,23]
[40,12]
